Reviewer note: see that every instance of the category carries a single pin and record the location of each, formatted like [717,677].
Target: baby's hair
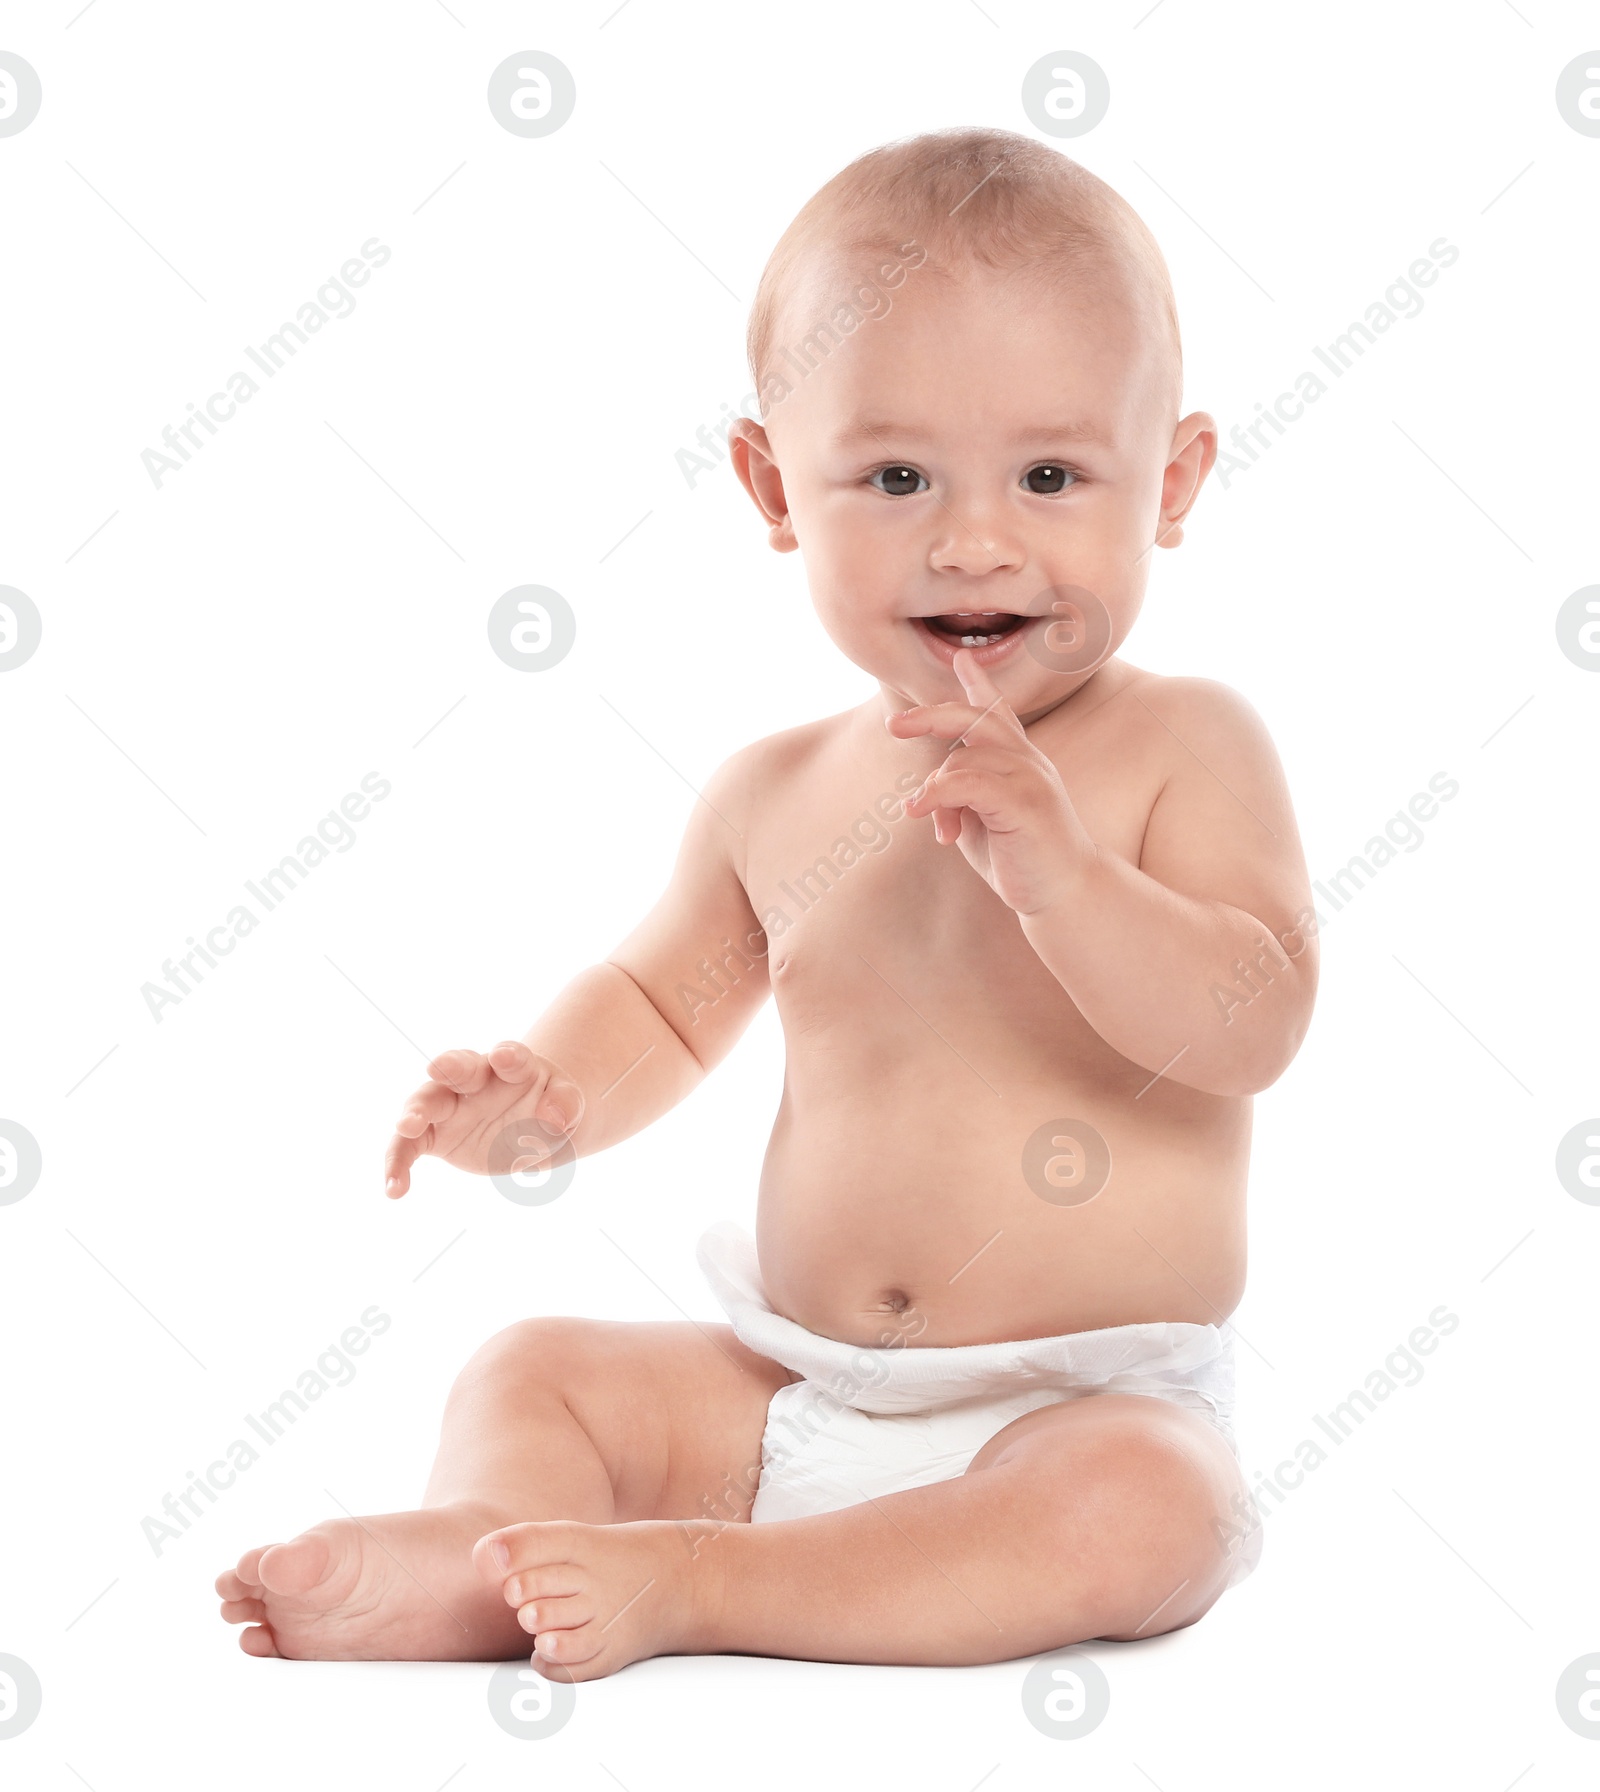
[974,198]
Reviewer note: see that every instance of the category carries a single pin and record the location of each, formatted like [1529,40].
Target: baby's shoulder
[1186,713]
[790,753]
[758,776]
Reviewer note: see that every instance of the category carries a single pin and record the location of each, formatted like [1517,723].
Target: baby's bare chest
[864,912]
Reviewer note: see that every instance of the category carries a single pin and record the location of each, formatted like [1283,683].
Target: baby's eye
[899,482]
[1049,477]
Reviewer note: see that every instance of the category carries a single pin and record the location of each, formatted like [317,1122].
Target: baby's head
[968,360]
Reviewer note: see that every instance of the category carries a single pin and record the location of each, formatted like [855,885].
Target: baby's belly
[915,1203]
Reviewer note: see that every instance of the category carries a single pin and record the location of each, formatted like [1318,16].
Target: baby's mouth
[974,628]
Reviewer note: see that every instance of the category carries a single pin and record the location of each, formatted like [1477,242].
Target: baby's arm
[1198,962]
[620,1044]
[1163,956]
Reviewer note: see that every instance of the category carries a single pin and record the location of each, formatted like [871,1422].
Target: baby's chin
[911,675]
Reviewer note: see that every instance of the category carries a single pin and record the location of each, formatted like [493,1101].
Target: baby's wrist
[1068,889]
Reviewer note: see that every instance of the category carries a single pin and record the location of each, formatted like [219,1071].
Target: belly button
[896,1300]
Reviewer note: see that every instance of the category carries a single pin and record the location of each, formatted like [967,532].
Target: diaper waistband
[1191,1364]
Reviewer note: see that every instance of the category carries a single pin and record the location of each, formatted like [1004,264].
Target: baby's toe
[257,1641]
[230,1584]
[554,1614]
[569,1648]
[296,1567]
[518,1547]
[486,1559]
[243,1611]
[248,1567]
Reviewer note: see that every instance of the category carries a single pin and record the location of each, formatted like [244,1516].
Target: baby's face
[988,464]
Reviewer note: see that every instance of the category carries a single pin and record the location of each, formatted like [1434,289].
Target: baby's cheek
[858,617]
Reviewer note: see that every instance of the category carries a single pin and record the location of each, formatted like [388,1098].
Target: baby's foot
[401,1587]
[597,1596]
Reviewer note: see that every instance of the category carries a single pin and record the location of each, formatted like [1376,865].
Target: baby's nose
[963,548]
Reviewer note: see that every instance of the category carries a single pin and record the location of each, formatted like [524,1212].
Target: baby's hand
[471,1103]
[996,795]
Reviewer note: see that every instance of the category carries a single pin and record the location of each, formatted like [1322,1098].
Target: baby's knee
[1132,1493]
[532,1354]
[1175,1487]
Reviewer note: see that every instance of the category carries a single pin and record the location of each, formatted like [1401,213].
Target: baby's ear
[1191,458]
[757,467]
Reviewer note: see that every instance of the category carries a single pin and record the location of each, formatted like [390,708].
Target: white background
[229,654]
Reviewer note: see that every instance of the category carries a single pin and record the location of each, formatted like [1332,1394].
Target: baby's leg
[1104,1517]
[554,1418]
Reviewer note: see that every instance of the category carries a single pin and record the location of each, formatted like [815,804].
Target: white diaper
[865,1422]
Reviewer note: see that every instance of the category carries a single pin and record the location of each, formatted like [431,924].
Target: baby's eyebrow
[882,433]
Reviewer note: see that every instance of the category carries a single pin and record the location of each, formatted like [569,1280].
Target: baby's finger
[512,1061]
[431,1105]
[554,1101]
[464,1071]
[975,680]
[955,786]
[560,1105]
[397,1161]
[995,723]
[944,719]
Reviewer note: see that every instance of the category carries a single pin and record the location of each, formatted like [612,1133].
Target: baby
[1038,926]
